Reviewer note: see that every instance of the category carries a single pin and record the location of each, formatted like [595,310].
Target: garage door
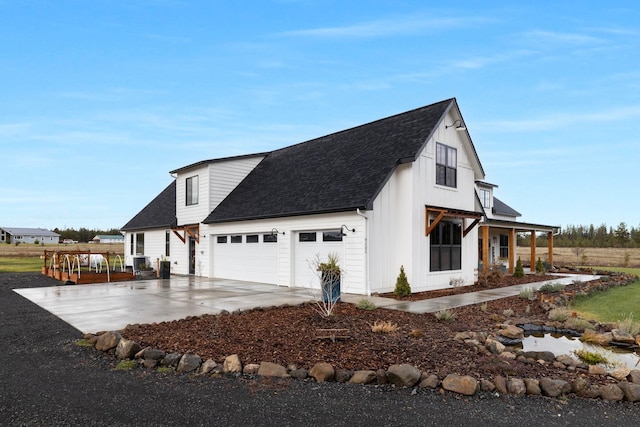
[249,257]
[313,245]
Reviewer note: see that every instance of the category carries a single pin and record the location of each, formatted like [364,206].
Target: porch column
[533,251]
[512,250]
[550,247]
[485,248]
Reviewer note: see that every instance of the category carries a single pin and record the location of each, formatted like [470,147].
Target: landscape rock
[501,384]
[363,377]
[150,363]
[462,384]
[611,392]
[299,374]
[533,386]
[189,363]
[381,375]
[547,356]
[567,360]
[554,388]
[171,359]
[486,385]
[631,391]
[597,370]
[623,337]
[342,376]
[430,381]
[127,349]
[322,372]
[516,386]
[634,376]
[108,340]
[620,373]
[251,368]
[270,369]
[507,355]
[403,375]
[150,353]
[232,365]
[494,346]
[583,388]
[512,332]
[208,366]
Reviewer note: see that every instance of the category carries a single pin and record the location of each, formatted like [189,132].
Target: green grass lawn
[20,264]
[612,305]
[627,270]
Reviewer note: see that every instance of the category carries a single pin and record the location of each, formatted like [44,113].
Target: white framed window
[485,198]
[446,166]
[192,190]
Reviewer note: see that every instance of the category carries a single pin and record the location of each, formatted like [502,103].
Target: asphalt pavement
[47,380]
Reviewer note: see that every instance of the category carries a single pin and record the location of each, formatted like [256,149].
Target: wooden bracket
[187,230]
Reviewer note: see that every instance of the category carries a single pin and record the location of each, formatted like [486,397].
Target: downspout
[366,250]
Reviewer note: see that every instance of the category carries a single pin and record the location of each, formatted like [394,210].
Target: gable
[338,172]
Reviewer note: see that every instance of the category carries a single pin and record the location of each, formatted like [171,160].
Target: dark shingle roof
[334,173]
[159,213]
[501,208]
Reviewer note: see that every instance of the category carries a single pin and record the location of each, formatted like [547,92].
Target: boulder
[501,384]
[554,388]
[634,376]
[567,360]
[232,365]
[189,363]
[363,377]
[507,355]
[547,356]
[430,381]
[494,346]
[512,332]
[171,359]
[583,388]
[342,376]
[623,337]
[127,349]
[611,392]
[620,373]
[486,385]
[381,375]
[299,374]
[533,386]
[597,370]
[251,368]
[108,340]
[516,386]
[208,366]
[462,384]
[322,372]
[403,375]
[631,391]
[150,353]
[269,369]
[150,363]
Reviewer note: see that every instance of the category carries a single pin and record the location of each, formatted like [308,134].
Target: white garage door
[249,257]
[311,246]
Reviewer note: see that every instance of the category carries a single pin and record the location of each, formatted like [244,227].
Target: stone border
[626,385]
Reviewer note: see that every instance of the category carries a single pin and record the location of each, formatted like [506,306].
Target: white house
[28,235]
[108,238]
[401,191]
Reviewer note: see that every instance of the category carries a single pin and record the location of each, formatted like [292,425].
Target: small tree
[540,267]
[402,284]
[519,271]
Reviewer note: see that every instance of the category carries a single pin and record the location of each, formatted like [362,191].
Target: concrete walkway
[112,306]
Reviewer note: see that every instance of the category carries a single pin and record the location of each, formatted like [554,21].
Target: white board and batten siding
[254,261]
[154,246]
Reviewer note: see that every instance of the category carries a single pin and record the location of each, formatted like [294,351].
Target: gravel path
[47,380]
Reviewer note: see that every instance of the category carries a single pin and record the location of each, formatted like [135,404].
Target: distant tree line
[589,236]
[84,234]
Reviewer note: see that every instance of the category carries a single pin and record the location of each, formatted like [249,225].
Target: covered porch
[497,242]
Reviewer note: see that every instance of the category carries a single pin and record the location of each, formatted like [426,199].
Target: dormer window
[192,190]
[485,198]
[446,165]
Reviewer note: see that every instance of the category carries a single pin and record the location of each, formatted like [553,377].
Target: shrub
[550,288]
[416,333]
[445,315]
[483,307]
[519,271]
[492,275]
[403,288]
[591,337]
[540,269]
[507,312]
[385,327]
[526,293]
[559,314]
[629,326]
[577,324]
[594,357]
[365,304]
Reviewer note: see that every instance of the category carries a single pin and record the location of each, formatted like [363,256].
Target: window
[307,237]
[446,246]
[504,246]
[139,243]
[192,190]
[270,238]
[485,198]
[236,239]
[252,238]
[446,165]
[332,236]
[221,239]
[131,245]
[167,243]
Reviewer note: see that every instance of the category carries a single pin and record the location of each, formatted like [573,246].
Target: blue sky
[99,100]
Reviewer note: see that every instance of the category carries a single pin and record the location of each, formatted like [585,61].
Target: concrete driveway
[112,306]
